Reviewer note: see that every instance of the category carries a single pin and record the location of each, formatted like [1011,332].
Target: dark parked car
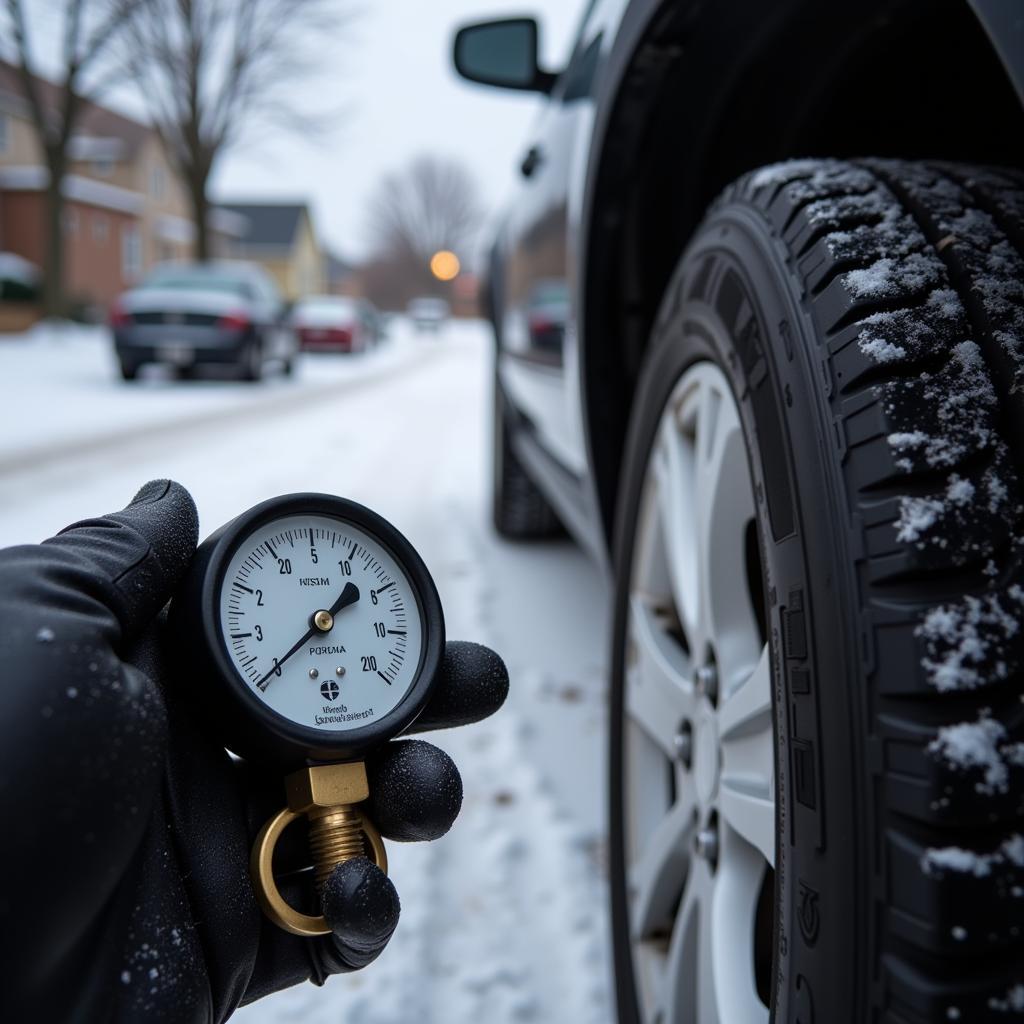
[786,411]
[187,315]
[335,323]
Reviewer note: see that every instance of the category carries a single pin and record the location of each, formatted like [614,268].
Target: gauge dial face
[321,622]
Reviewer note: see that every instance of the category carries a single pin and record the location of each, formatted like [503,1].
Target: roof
[338,268]
[269,224]
[94,121]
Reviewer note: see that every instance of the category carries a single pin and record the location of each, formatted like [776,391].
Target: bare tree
[90,28]
[209,68]
[431,204]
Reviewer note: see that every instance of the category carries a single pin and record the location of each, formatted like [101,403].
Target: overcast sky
[392,68]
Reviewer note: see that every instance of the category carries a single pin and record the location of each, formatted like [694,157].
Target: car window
[576,80]
[199,279]
[325,306]
[550,292]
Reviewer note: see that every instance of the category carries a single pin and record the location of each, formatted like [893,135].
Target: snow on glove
[124,886]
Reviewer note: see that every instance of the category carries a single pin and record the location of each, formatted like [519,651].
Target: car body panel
[557,219]
[538,254]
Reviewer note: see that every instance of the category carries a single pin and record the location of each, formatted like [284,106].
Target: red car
[335,323]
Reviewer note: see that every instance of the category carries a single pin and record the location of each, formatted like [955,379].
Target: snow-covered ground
[503,920]
[62,392]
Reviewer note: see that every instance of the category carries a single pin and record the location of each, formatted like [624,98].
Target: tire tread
[914,275]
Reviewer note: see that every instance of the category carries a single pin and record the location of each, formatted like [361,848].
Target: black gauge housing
[226,705]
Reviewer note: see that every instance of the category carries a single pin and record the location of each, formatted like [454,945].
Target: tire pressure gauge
[312,632]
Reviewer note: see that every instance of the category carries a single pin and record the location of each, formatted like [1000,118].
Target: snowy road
[504,919]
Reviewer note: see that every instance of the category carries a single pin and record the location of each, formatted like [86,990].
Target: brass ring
[261,868]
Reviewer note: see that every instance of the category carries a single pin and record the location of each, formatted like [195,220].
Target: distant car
[428,313]
[190,314]
[335,323]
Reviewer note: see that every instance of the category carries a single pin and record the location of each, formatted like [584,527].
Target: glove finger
[473,684]
[362,907]
[415,791]
[128,561]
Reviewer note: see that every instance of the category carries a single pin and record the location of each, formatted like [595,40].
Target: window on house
[157,183]
[104,167]
[131,252]
[4,132]
[70,219]
[100,229]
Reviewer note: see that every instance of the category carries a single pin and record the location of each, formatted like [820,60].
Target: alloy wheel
[698,754]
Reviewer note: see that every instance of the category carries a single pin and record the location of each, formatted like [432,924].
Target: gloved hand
[124,886]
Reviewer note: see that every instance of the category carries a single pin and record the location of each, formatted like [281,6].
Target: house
[125,208]
[341,277]
[102,230]
[280,237]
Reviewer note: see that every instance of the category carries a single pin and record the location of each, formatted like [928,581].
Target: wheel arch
[912,78]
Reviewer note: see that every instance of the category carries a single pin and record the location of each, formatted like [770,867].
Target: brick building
[126,209]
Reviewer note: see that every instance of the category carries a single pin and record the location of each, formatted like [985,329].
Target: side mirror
[501,53]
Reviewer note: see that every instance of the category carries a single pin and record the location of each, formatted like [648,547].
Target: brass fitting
[338,831]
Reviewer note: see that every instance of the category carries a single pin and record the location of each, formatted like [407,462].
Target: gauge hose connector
[327,795]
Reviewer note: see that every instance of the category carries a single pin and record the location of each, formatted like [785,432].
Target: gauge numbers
[321,621]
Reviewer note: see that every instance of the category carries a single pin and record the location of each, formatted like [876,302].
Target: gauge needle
[348,596]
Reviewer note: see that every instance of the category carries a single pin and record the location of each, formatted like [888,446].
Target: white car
[428,313]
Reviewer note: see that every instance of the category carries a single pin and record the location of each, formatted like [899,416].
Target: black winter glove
[124,887]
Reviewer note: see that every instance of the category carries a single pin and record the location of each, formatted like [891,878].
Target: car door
[537,344]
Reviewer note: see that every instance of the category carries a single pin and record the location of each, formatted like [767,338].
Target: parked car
[335,323]
[192,314]
[786,412]
[428,313]
[20,280]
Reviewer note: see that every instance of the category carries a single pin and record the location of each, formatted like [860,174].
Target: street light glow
[444,265]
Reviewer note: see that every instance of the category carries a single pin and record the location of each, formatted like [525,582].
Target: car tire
[129,371]
[252,365]
[852,796]
[520,511]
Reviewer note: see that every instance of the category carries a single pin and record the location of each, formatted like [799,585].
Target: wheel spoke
[734,908]
[657,878]
[746,787]
[707,979]
[725,505]
[659,694]
[749,811]
[747,709]
[673,471]
[683,965]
